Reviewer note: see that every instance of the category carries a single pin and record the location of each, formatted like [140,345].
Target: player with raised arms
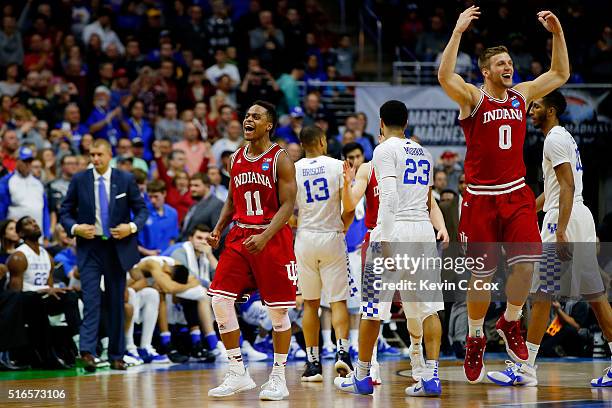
[497,205]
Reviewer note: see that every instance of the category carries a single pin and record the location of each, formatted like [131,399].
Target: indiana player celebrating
[258,250]
[497,205]
[402,168]
[320,249]
[567,220]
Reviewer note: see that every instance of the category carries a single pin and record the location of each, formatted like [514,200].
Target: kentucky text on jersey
[502,114]
[252,178]
[313,172]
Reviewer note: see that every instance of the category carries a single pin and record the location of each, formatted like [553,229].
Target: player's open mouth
[507,76]
[249,128]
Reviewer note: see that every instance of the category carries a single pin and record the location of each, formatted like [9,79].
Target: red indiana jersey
[494,136]
[372,200]
[254,186]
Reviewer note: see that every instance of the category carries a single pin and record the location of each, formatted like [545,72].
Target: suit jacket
[206,211]
[79,207]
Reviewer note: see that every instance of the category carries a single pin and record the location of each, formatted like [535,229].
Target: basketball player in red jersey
[258,250]
[497,204]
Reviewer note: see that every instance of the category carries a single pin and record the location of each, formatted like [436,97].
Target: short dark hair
[394,114]
[203,177]
[156,186]
[271,109]
[310,135]
[139,176]
[19,224]
[174,152]
[66,156]
[556,100]
[349,147]
[448,190]
[180,274]
[199,227]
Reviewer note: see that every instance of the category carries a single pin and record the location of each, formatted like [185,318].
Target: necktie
[103,207]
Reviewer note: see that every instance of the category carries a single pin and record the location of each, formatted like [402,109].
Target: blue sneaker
[603,381]
[516,374]
[351,384]
[150,355]
[132,359]
[425,388]
[328,353]
[354,353]
[265,346]
[384,349]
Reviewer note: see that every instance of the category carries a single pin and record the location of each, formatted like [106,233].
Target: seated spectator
[120,88]
[124,151]
[258,84]
[11,82]
[21,194]
[58,188]
[9,151]
[195,91]
[294,150]
[225,94]
[290,133]
[72,124]
[447,196]
[140,128]
[231,142]
[222,67]
[104,122]
[314,72]
[218,189]
[314,110]
[162,226]
[197,152]
[206,208]
[439,184]
[178,195]
[354,135]
[219,121]
[225,168]
[449,163]
[8,239]
[169,126]
[200,119]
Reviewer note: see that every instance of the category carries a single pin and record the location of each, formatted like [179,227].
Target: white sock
[312,353]
[278,368]
[236,364]
[342,345]
[513,312]
[327,341]
[533,352]
[375,354]
[354,338]
[415,342]
[150,310]
[363,369]
[475,327]
[432,369]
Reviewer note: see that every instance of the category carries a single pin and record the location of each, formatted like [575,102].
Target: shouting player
[258,250]
[402,168]
[497,205]
[567,220]
[320,250]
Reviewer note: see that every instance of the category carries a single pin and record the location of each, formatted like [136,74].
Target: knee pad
[280,319]
[225,314]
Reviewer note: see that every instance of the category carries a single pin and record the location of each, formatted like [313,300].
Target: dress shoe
[118,365]
[88,362]
[7,364]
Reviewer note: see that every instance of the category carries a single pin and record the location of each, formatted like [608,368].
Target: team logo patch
[292,272]
[516,103]
[265,166]
[552,227]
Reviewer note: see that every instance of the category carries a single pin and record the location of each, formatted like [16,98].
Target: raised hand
[348,172]
[550,21]
[466,18]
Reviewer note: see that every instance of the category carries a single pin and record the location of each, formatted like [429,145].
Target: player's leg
[328,351]
[149,309]
[429,382]
[232,278]
[131,357]
[207,318]
[603,313]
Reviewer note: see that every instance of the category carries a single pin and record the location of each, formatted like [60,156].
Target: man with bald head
[103,208]
[196,150]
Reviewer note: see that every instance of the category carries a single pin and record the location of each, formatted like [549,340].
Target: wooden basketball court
[562,383]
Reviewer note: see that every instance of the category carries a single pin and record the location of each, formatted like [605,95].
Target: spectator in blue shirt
[141,128]
[103,122]
[161,229]
[291,132]
[72,124]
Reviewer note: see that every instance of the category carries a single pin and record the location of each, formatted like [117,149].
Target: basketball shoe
[375,374]
[385,349]
[515,374]
[233,383]
[343,364]
[603,381]
[313,372]
[350,383]
[275,389]
[473,365]
[510,332]
[428,385]
[250,353]
[416,361]
[132,359]
[328,352]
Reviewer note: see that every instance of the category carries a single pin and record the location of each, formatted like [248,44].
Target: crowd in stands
[165,83]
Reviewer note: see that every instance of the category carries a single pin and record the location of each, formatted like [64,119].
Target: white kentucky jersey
[413,168]
[161,260]
[319,182]
[560,147]
[39,267]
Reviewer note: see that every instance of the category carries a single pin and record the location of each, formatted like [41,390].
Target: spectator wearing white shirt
[102,27]
[222,67]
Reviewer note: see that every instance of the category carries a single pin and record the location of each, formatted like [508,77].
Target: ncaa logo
[516,103]
[265,166]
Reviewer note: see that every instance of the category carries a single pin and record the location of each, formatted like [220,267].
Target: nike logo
[417,389]
[345,385]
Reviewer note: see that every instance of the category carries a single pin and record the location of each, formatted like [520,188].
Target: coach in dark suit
[97,210]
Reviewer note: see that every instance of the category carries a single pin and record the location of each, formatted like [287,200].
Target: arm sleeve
[556,149]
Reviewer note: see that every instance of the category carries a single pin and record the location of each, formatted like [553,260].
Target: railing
[366,16]
[415,73]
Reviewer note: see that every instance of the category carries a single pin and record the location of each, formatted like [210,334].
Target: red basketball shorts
[272,271]
[492,218]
